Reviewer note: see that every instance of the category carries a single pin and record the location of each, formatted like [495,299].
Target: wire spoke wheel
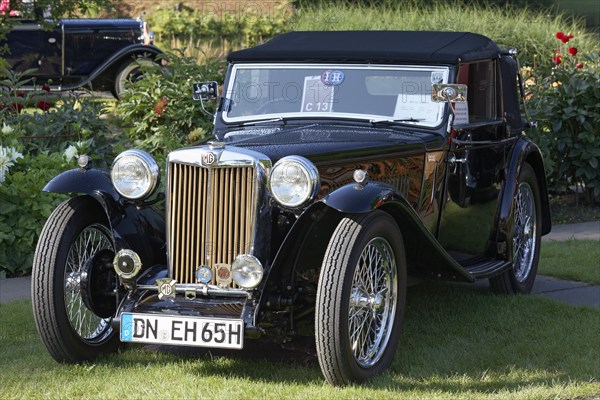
[524,232]
[88,325]
[372,302]
[67,281]
[360,298]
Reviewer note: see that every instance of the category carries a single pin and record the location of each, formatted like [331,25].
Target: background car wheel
[73,234]
[525,244]
[360,298]
[128,72]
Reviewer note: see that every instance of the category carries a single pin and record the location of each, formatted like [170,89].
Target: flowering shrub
[39,137]
[160,114]
[8,156]
[565,103]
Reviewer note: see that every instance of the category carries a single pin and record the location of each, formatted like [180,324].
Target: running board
[488,268]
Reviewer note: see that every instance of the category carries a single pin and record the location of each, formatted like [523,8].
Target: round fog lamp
[247,271]
[127,264]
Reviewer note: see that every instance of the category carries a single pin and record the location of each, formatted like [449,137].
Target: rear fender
[524,151]
[113,62]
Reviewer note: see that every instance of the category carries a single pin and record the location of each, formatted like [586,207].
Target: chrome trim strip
[202,289]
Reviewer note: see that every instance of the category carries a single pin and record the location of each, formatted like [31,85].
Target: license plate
[185,331]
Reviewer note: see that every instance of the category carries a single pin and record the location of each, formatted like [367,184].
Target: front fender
[141,229]
[357,199]
[93,182]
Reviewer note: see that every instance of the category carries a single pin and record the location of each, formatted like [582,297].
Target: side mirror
[451,93]
[205,90]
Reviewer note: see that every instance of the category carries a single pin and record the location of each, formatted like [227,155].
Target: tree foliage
[44,11]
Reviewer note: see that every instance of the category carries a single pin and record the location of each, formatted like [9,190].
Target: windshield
[368,92]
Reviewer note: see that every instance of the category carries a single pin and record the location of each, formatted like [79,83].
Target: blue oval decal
[332,77]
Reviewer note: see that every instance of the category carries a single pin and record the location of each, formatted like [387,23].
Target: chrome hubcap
[88,325]
[524,232]
[372,302]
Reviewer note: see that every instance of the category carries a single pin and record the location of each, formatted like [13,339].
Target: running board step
[488,268]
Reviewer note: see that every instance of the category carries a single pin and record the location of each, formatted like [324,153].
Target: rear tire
[526,239]
[128,72]
[74,232]
[361,297]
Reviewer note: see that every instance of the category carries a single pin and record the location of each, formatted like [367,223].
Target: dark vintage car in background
[98,54]
[341,163]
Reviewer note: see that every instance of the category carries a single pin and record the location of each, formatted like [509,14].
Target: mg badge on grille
[166,288]
[209,158]
[223,274]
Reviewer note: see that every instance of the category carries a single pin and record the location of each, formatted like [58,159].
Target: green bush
[565,103]
[37,141]
[25,209]
[183,26]
[160,114]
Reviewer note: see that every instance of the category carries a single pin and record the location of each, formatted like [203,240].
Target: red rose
[572,50]
[579,66]
[560,35]
[20,94]
[46,88]
[557,60]
[44,105]
[17,107]
[565,39]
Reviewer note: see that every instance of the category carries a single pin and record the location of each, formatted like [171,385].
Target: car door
[475,165]
[31,46]
[24,46]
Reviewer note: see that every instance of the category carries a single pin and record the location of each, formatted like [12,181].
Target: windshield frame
[249,119]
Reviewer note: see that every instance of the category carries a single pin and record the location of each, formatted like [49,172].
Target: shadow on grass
[456,339]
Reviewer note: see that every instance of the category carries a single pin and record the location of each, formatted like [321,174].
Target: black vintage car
[99,54]
[341,163]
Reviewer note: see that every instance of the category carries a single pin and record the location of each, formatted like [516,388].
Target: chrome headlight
[294,180]
[135,174]
[247,271]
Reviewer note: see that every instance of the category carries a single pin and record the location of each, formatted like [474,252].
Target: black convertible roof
[372,46]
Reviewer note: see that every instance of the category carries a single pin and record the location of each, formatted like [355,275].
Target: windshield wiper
[264,121]
[393,121]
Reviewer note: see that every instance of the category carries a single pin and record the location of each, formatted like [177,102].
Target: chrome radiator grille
[211,217]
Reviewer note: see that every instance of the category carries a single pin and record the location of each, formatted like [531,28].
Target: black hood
[329,142]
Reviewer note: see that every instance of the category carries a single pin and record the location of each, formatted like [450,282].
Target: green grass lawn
[577,260]
[459,342]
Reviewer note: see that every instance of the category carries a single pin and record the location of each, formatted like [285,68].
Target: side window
[482,95]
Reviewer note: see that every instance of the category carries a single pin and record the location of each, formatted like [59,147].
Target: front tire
[360,298]
[526,240]
[75,231]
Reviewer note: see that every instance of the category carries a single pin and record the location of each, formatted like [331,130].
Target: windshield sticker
[461,113]
[416,106]
[316,97]
[437,77]
[332,77]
